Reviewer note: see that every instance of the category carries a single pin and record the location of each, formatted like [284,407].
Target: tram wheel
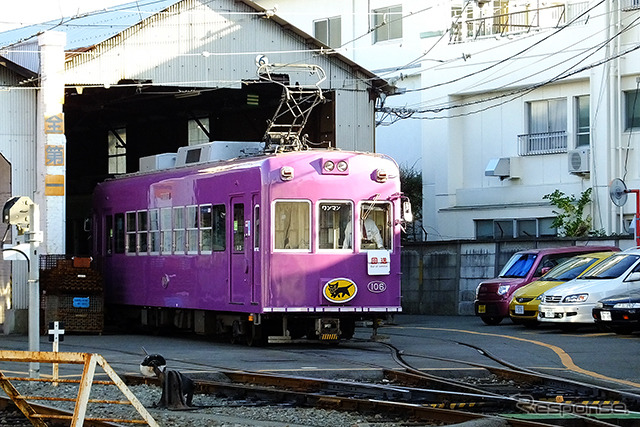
[256,337]
[491,320]
[236,332]
[348,327]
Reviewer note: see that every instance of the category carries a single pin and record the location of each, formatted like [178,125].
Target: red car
[493,296]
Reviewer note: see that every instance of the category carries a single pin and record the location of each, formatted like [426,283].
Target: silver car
[571,304]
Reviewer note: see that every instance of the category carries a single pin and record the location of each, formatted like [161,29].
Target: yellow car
[523,308]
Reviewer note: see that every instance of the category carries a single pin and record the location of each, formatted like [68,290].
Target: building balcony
[519,21]
[542,143]
[628,5]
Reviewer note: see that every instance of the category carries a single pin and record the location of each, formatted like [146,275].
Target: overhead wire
[522,51]
[516,93]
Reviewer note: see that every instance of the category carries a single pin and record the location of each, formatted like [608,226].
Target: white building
[506,101]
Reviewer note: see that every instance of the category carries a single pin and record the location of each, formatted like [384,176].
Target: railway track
[518,395]
[422,397]
[536,385]
[334,395]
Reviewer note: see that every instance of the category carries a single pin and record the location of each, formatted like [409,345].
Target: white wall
[490,81]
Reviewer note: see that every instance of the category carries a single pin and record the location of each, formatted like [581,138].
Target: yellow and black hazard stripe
[329,336]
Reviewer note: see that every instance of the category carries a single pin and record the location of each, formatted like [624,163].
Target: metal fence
[542,143]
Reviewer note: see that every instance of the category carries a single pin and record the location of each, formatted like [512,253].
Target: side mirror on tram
[407,214]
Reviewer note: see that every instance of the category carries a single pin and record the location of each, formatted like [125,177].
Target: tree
[569,218]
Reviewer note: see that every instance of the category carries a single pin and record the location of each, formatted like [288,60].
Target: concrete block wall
[440,278]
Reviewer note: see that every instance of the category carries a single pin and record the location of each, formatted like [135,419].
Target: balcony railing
[630,4]
[518,21]
[542,143]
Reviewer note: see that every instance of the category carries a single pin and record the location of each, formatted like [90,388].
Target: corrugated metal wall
[216,45]
[18,145]
[25,54]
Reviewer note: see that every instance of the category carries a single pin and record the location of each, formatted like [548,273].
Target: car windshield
[612,267]
[569,269]
[518,266]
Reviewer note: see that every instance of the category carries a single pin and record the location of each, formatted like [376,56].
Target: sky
[21,13]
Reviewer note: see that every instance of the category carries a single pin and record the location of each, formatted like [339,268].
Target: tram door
[255,265]
[241,248]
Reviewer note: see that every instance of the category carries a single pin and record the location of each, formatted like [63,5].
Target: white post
[51,144]
[34,237]
[54,334]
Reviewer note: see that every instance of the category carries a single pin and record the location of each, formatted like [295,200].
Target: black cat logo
[340,290]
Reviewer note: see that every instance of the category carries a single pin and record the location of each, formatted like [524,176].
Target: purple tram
[261,247]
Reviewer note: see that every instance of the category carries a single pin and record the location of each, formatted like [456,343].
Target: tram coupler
[328,329]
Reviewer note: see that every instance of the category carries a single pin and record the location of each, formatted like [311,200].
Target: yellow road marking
[566,360]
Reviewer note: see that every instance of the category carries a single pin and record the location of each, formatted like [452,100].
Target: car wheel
[491,320]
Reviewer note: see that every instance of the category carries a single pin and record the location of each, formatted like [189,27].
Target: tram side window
[131,232]
[179,230]
[166,232]
[143,232]
[205,228]
[119,234]
[238,227]
[108,234]
[334,219]
[154,231]
[291,224]
[191,223]
[375,226]
[219,228]
[256,226]
[212,229]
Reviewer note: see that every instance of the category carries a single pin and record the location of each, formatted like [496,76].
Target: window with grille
[632,109]
[117,151]
[329,31]
[387,23]
[583,123]
[547,121]
[513,228]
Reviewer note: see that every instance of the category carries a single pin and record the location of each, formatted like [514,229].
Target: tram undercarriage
[252,329]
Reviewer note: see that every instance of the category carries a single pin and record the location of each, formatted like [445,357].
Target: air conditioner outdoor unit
[579,160]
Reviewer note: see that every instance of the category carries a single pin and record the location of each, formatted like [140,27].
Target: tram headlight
[286,173]
[329,166]
[342,166]
[381,175]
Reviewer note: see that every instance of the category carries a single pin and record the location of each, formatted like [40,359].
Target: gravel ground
[208,410]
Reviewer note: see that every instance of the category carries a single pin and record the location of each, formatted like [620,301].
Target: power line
[502,61]
[514,94]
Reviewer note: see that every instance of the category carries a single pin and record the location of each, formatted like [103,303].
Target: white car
[571,303]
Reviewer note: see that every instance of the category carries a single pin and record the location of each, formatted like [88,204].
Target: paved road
[587,355]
